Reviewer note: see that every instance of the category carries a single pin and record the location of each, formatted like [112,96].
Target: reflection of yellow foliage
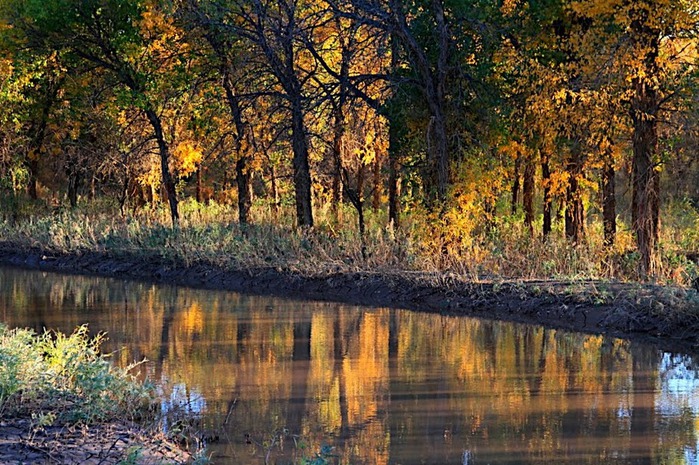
[192,319]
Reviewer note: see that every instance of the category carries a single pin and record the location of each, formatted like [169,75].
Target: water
[281,379]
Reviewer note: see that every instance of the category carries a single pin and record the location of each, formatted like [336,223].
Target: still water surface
[380,386]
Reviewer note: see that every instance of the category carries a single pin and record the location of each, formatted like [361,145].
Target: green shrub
[68,376]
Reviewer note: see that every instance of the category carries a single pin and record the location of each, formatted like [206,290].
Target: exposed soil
[24,443]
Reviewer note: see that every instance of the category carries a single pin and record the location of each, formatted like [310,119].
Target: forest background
[514,139]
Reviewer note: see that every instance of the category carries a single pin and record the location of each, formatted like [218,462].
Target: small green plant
[132,457]
[323,457]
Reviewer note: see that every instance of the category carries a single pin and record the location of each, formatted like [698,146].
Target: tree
[276,29]
[635,45]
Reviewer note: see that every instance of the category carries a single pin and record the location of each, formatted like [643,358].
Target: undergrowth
[501,249]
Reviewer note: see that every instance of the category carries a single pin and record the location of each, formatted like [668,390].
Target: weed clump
[65,379]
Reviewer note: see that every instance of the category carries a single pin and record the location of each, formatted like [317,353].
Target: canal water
[281,380]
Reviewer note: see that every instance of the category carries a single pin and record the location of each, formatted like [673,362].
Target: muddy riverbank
[667,317]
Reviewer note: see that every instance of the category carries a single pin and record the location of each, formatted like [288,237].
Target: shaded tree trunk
[433,81]
[575,213]
[528,194]
[609,203]
[38,135]
[393,193]
[198,194]
[546,181]
[33,169]
[274,191]
[74,181]
[163,151]
[516,185]
[376,188]
[242,178]
[242,172]
[645,106]
[338,132]
[302,171]
[393,152]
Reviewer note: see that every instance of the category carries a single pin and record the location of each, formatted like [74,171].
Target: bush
[66,376]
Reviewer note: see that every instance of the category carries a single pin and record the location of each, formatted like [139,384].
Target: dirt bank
[667,317]
[103,444]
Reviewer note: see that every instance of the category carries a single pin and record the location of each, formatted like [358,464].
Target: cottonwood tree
[274,29]
[638,46]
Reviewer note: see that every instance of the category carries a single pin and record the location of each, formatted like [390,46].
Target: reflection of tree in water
[382,386]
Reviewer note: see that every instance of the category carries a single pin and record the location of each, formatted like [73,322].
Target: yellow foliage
[186,158]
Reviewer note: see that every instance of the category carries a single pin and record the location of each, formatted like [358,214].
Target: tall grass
[504,250]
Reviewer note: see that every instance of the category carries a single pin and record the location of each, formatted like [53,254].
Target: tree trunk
[515,184]
[433,81]
[242,175]
[199,182]
[338,134]
[33,169]
[275,193]
[376,189]
[437,171]
[546,181]
[575,213]
[609,202]
[242,178]
[439,123]
[74,179]
[168,182]
[393,193]
[528,195]
[645,105]
[393,152]
[302,172]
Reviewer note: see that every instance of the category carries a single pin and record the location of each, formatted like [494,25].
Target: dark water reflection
[381,386]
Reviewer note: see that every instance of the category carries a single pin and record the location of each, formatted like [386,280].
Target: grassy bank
[501,250]
[62,401]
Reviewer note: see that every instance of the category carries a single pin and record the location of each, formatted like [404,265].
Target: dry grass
[210,234]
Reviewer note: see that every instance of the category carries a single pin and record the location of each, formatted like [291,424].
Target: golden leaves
[186,157]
